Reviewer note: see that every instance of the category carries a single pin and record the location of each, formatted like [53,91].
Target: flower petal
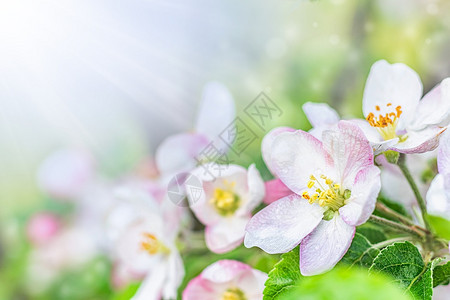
[281,226]
[397,84]
[350,151]
[364,196]
[276,189]
[151,287]
[177,152]
[267,142]
[377,143]
[256,189]
[296,156]
[320,114]
[434,107]
[175,274]
[216,111]
[443,157]
[420,141]
[438,198]
[224,270]
[324,247]
[225,235]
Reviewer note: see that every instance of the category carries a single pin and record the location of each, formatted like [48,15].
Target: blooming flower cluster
[323,185]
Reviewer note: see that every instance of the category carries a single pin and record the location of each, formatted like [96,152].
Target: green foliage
[361,252]
[404,263]
[441,275]
[284,275]
[374,235]
[344,284]
[440,226]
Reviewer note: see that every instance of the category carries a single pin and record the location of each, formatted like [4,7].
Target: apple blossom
[321,116]
[225,202]
[177,153]
[335,184]
[144,232]
[227,280]
[396,117]
[42,227]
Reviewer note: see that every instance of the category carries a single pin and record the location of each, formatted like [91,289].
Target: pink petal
[281,226]
[397,84]
[177,153]
[199,288]
[226,235]
[267,142]
[298,155]
[224,270]
[364,197]
[216,111]
[350,151]
[321,250]
[42,227]
[320,114]
[276,189]
[420,141]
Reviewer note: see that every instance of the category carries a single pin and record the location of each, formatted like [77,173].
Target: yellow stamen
[225,201]
[234,294]
[385,124]
[152,245]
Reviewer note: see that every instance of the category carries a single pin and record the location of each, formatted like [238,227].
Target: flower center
[152,245]
[326,193]
[234,294]
[225,201]
[386,123]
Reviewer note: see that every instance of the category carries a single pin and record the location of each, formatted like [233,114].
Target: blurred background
[114,78]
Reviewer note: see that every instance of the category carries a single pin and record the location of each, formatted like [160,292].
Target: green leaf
[374,235]
[283,276]
[405,264]
[360,253]
[441,275]
[343,284]
[439,226]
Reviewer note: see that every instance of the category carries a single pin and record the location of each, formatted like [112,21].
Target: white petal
[444,154]
[438,198]
[397,84]
[434,107]
[350,151]
[420,141]
[281,226]
[320,114]
[377,143]
[298,155]
[324,247]
[363,198]
[217,110]
[175,274]
[151,287]
[256,189]
[225,235]
[177,153]
[267,142]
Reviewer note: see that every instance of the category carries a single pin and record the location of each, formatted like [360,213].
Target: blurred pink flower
[226,279]
[224,202]
[42,227]
[336,185]
[397,118]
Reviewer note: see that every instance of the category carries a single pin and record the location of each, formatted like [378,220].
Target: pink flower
[322,117]
[42,227]
[177,153]
[224,203]
[143,232]
[335,184]
[396,117]
[226,279]
[438,195]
